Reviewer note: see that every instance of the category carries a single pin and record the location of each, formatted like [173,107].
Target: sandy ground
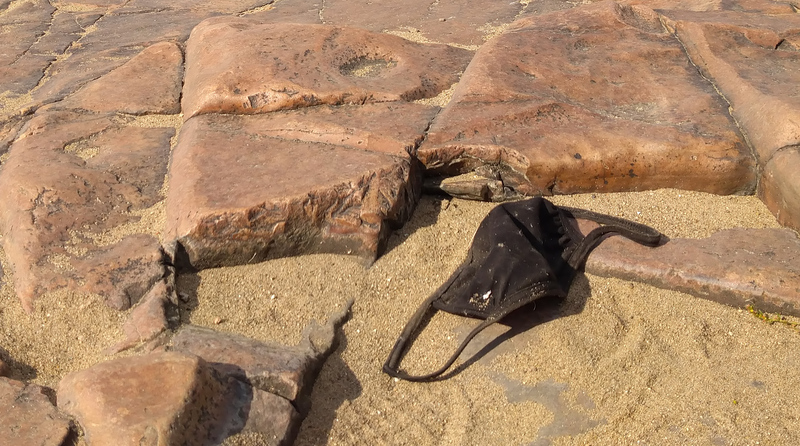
[616,363]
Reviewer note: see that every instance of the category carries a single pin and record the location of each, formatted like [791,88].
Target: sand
[616,363]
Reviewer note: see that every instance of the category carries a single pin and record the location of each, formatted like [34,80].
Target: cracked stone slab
[256,199]
[114,39]
[147,319]
[754,61]
[453,21]
[73,175]
[590,107]
[780,187]
[239,65]
[148,83]
[164,398]
[287,371]
[20,68]
[735,267]
[28,417]
[273,370]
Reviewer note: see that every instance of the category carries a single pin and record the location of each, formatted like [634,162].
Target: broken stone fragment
[736,266]
[590,107]
[163,398]
[287,371]
[256,199]
[28,417]
[147,319]
[470,186]
[238,65]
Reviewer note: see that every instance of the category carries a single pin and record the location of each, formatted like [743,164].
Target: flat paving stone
[258,198]
[28,417]
[735,267]
[238,65]
[20,69]
[754,61]
[71,174]
[445,21]
[148,83]
[590,107]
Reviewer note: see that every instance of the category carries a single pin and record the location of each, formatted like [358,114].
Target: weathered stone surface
[238,65]
[451,21]
[296,11]
[20,28]
[273,417]
[148,83]
[123,272]
[61,190]
[590,107]
[735,267]
[116,38]
[28,417]
[223,212]
[756,66]
[780,187]
[3,368]
[161,398]
[287,371]
[147,319]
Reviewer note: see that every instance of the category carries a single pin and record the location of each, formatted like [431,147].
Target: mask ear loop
[391,365]
[642,234]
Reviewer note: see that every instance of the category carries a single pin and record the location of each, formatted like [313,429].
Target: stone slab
[735,267]
[239,65]
[66,179]
[223,211]
[780,187]
[148,83]
[28,417]
[160,398]
[754,61]
[451,21]
[590,107]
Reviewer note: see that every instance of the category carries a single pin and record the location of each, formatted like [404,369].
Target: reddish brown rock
[256,200]
[754,61]
[162,398]
[287,371]
[454,21]
[148,83]
[3,368]
[296,11]
[58,193]
[28,417]
[116,38]
[238,65]
[590,107]
[147,319]
[735,267]
[20,69]
[780,187]
[123,272]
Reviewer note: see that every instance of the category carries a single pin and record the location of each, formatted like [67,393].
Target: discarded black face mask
[521,252]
